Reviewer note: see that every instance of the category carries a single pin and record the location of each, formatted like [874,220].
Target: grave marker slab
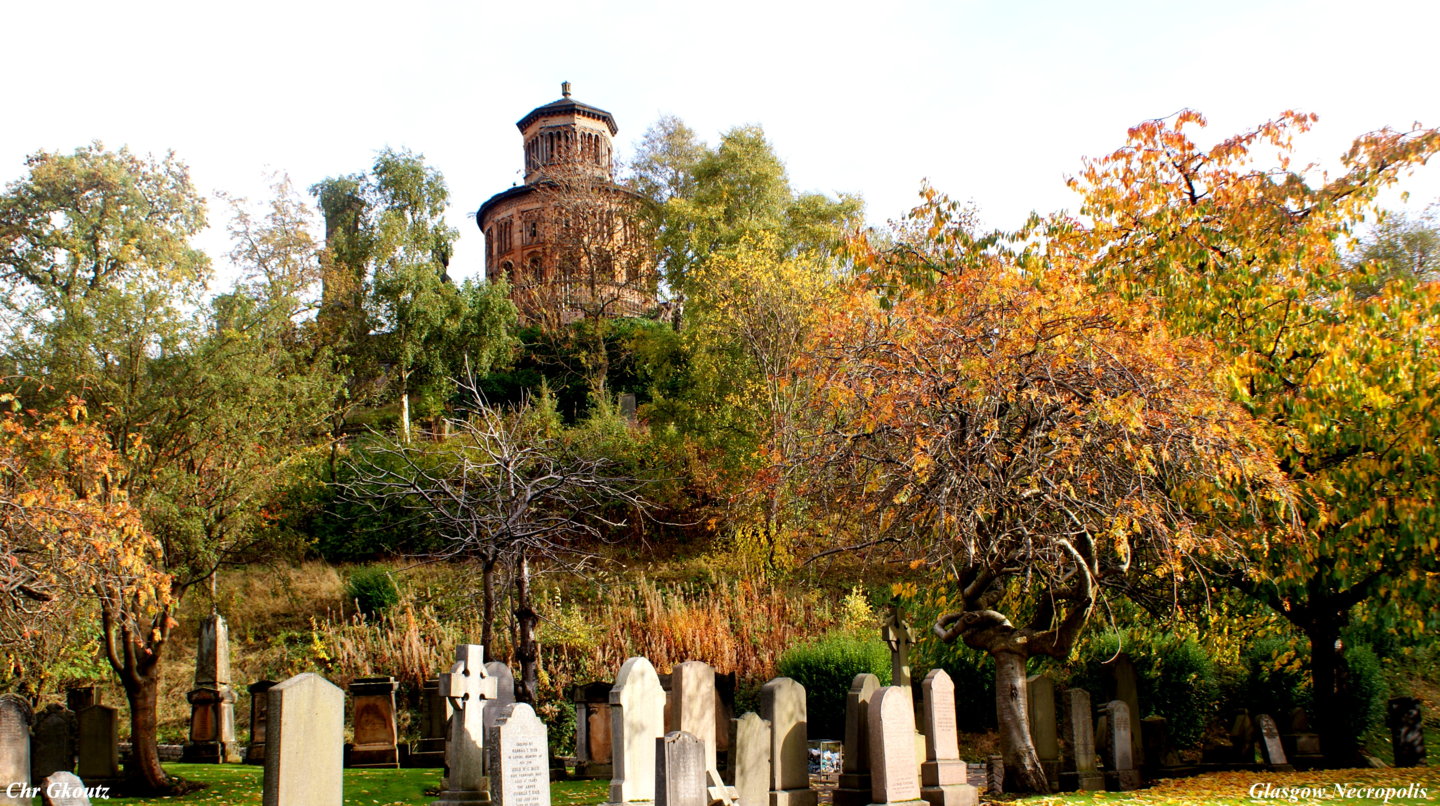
[855,785]
[1127,690]
[519,757]
[376,732]
[893,766]
[504,691]
[680,778]
[1270,745]
[259,706]
[15,719]
[469,688]
[98,745]
[750,747]
[637,719]
[64,788]
[693,687]
[1040,703]
[1121,773]
[52,742]
[1407,731]
[304,743]
[1080,736]
[782,704]
[592,730]
[944,778]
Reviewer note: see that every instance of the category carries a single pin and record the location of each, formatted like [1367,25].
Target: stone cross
[854,785]
[719,791]
[467,687]
[680,770]
[898,637]
[893,768]
[692,684]
[944,778]
[782,704]
[1080,738]
[637,719]
[750,762]
[305,743]
[15,718]
[519,753]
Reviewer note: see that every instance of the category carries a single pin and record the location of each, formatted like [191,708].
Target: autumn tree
[1233,244]
[1034,441]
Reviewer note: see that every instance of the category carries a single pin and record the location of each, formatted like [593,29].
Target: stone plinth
[373,723]
[259,707]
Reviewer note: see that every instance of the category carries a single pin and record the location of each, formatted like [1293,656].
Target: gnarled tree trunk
[1023,772]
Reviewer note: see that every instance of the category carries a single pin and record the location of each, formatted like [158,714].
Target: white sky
[992,100]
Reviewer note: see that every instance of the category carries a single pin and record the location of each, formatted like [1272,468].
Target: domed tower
[566,240]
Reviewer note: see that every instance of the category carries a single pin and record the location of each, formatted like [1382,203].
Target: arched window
[507,272]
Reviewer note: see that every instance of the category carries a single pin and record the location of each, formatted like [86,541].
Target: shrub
[1276,678]
[826,668]
[372,590]
[1363,691]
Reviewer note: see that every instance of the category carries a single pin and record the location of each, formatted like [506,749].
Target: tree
[1035,441]
[1401,248]
[505,488]
[1252,258]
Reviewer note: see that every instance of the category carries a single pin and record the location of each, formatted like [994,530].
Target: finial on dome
[565,88]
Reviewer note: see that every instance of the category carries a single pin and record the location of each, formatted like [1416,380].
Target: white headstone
[782,704]
[750,759]
[637,719]
[305,743]
[944,778]
[692,683]
[892,747]
[64,788]
[519,757]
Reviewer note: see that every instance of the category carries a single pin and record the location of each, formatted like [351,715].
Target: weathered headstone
[637,719]
[944,778]
[1302,745]
[1040,702]
[1242,737]
[854,785]
[995,775]
[77,697]
[1121,773]
[519,757]
[899,637]
[469,688]
[1270,746]
[304,743]
[212,700]
[750,759]
[504,691]
[1127,690]
[1080,737]
[592,730]
[259,705]
[429,749]
[373,723]
[98,746]
[64,788]
[52,742]
[680,778]
[1407,731]
[693,687]
[16,716]
[782,704]
[893,777]
[1160,755]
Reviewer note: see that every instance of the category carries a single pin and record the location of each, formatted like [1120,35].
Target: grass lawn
[1235,788]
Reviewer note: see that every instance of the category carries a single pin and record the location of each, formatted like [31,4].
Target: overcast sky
[995,101]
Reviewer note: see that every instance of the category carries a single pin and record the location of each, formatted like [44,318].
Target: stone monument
[212,700]
[519,752]
[1407,731]
[429,749]
[750,759]
[1083,775]
[944,778]
[16,716]
[680,775]
[637,720]
[1127,690]
[893,766]
[693,686]
[1271,748]
[52,742]
[1040,705]
[376,731]
[782,704]
[259,705]
[304,743]
[504,691]
[854,787]
[592,730]
[1121,774]
[64,788]
[469,688]
[98,747]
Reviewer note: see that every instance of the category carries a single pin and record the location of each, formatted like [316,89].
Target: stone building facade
[567,240]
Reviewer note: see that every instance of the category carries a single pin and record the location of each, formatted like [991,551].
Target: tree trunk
[1023,772]
[487,604]
[144,770]
[404,414]
[1325,661]
[527,649]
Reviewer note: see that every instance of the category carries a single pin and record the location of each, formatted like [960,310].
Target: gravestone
[469,689]
[1242,738]
[15,719]
[504,691]
[64,788]
[52,742]
[898,636]
[1407,731]
[1121,773]
[304,743]
[373,723]
[1080,737]
[212,700]
[693,687]
[944,778]
[995,775]
[1127,690]
[98,746]
[724,715]
[750,759]
[1155,736]
[519,753]
[782,704]
[77,697]
[429,749]
[1040,705]
[1270,746]
[592,730]
[259,705]
[854,788]
[1302,745]
[893,777]
[637,719]
[680,778]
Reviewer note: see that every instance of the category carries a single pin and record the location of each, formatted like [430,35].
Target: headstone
[519,752]
[893,777]
[1080,736]
[1270,747]
[782,704]
[693,685]
[750,760]
[899,638]
[1040,702]
[637,719]
[52,742]
[15,719]
[504,691]
[64,788]
[77,697]
[1407,731]
[592,730]
[1242,738]
[429,749]
[854,785]
[995,775]
[304,743]
[212,700]
[469,688]
[944,778]
[1302,745]
[98,746]
[1121,772]
[259,705]
[1155,736]
[724,714]
[373,723]
[680,778]
[1127,690]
